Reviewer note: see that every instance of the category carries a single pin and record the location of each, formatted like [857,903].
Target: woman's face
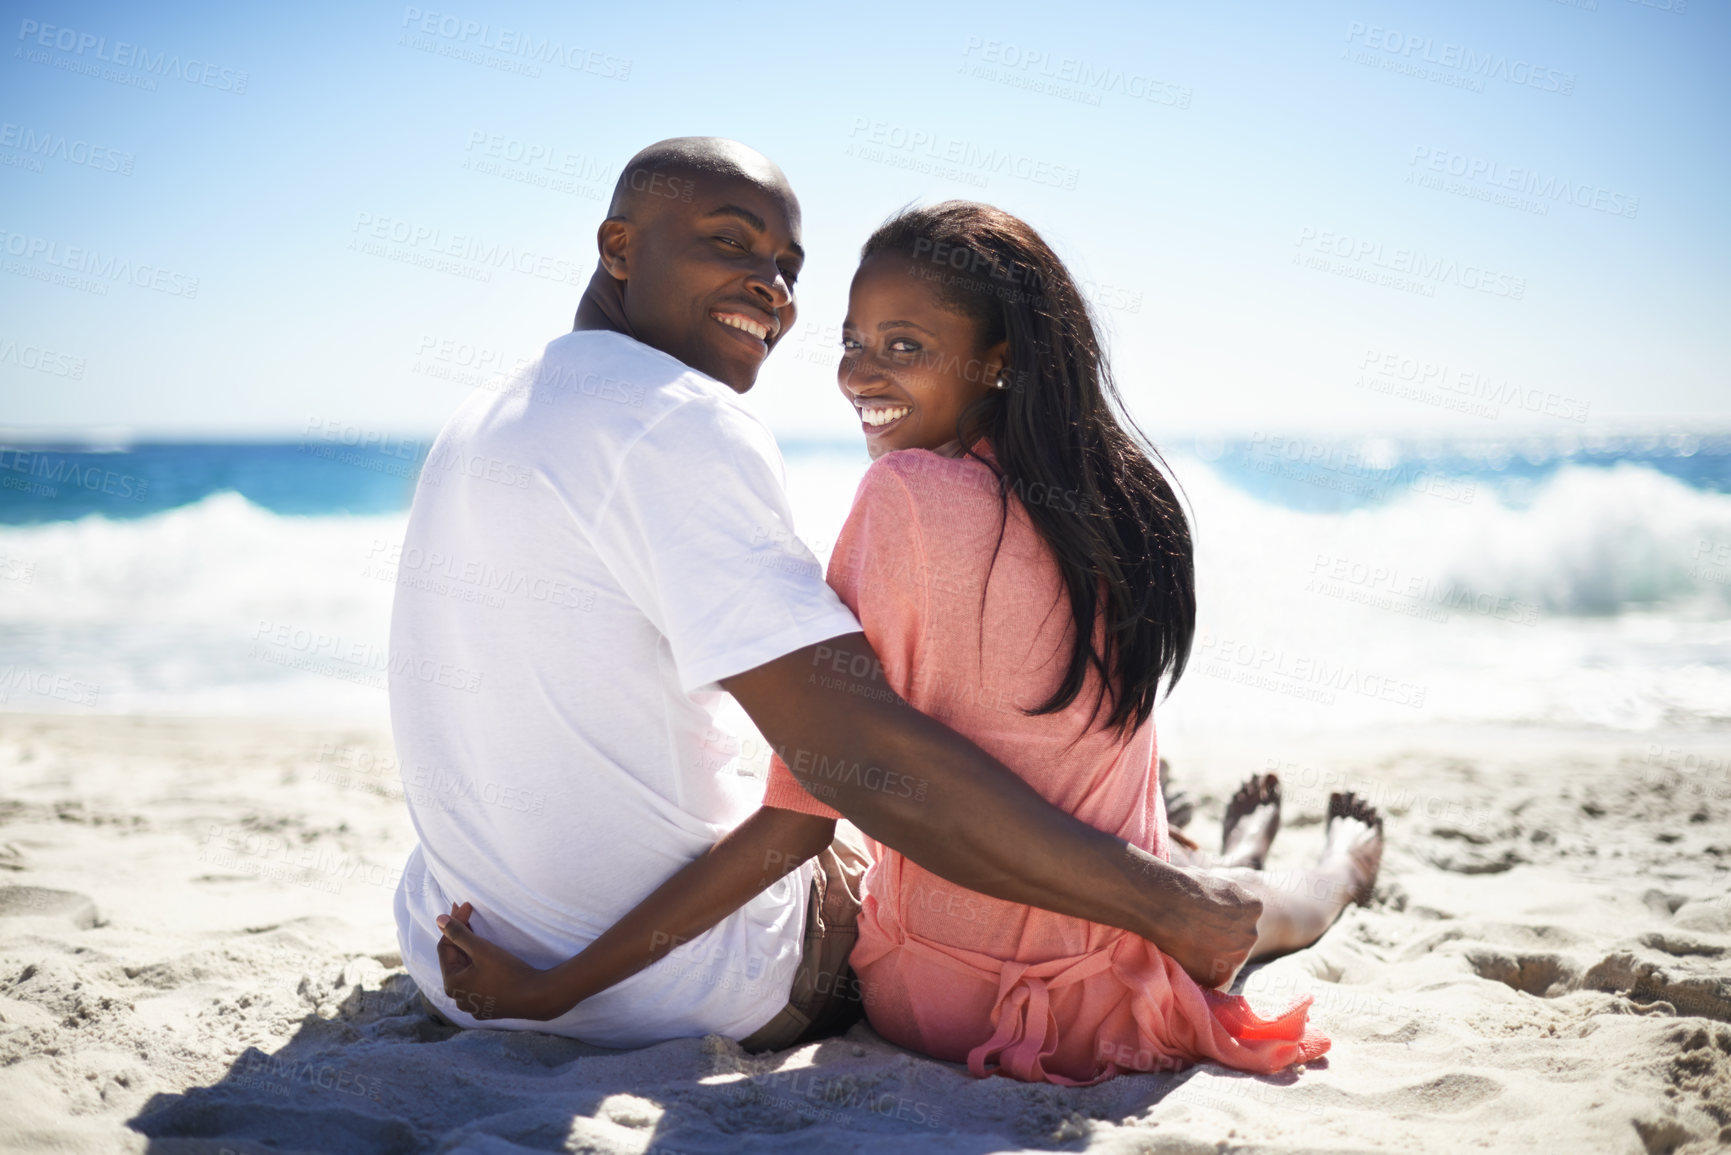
[909,365]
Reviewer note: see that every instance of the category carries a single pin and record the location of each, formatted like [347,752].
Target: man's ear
[613,239]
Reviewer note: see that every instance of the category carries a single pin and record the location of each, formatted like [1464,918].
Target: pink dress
[1010,989]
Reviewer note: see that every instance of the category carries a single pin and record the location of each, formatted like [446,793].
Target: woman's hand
[488,981]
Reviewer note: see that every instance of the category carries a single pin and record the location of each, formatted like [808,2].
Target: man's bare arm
[952,808]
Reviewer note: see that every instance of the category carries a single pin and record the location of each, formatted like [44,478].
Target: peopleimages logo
[468,35]
[121,54]
[878,140]
[1066,77]
[44,472]
[41,359]
[1479,66]
[1299,675]
[1410,264]
[1522,179]
[15,680]
[89,262]
[1479,392]
[463,253]
[40,146]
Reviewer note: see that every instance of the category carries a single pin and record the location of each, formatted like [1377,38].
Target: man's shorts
[825,999]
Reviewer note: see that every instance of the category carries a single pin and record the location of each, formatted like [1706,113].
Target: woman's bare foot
[1252,820]
[1298,906]
[1352,851]
[1179,807]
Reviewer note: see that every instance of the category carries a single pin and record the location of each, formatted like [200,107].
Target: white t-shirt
[589,552]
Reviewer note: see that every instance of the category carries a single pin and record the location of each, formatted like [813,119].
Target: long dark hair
[1065,447]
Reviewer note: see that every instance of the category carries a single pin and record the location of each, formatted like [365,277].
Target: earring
[1003,381]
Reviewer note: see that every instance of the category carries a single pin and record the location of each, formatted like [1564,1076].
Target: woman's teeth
[761,332]
[884,416]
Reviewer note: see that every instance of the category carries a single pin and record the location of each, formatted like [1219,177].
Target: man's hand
[488,981]
[1213,930]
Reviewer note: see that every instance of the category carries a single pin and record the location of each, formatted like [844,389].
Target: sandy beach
[367,366]
[199,957]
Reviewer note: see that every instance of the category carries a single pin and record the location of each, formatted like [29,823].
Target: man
[627,517]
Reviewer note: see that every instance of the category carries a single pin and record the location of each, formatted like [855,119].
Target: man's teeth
[884,416]
[761,332]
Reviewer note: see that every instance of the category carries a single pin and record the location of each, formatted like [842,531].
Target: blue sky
[1336,217]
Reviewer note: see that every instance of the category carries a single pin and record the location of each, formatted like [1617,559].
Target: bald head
[670,172]
[699,254]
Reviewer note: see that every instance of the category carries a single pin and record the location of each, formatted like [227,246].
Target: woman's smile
[878,416]
[911,365]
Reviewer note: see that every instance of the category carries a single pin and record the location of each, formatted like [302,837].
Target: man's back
[587,555]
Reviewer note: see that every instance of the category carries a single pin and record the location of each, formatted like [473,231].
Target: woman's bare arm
[490,982]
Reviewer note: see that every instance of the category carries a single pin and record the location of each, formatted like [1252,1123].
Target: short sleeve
[698,533]
[785,793]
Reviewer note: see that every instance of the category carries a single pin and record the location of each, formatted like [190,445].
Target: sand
[197,955]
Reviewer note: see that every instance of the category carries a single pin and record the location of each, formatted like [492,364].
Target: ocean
[1574,580]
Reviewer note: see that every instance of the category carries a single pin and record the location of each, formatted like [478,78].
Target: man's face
[709,273]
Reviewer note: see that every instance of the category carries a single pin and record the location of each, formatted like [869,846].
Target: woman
[1024,571]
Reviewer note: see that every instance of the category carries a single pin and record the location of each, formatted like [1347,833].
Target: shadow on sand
[384,1077]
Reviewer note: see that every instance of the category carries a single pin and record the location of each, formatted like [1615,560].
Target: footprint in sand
[40,902]
[1646,983]
[1711,915]
[1541,975]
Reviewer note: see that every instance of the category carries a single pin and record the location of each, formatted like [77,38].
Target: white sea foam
[1605,598]
[162,613]
[1594,601]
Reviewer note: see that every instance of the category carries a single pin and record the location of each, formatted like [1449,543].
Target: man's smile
[761,331]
